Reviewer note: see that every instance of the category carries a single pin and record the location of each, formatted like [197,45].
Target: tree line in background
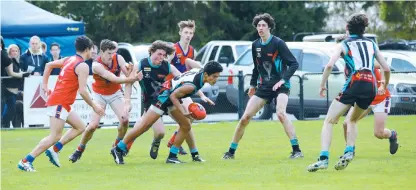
[146,21]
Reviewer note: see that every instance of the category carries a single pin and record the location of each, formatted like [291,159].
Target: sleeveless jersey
[103,86]
[195,78]
[179,58]
[153,78]
[359,58]
[67,86]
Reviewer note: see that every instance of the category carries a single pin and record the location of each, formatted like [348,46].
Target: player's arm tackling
[82,71]
[180,93]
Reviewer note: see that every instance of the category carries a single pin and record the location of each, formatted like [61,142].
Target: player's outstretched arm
[329,66]
[124,66]
[174,71]
[180,93]
[47,72]
[99,69]
[190,63]
[82,71]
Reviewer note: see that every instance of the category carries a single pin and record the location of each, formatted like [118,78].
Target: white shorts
[58,112]
[382,107]
[107,99]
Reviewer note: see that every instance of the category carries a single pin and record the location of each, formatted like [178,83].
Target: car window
[402,65]
[141,54]
[297,53]
[200,54]
[245,59]
[213,53]
[312,62]
[240,49]
[226,52]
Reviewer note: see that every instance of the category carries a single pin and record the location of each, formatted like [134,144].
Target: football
[197,111]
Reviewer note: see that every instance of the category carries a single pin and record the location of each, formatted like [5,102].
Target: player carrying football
[183,61]
[271,58]
[72,78]
[359,90]
[168,100]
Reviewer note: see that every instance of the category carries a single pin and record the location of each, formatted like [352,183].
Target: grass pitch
[261,160]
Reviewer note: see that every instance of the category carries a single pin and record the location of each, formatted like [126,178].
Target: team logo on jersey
[258,52]
[147,71]
[179,55]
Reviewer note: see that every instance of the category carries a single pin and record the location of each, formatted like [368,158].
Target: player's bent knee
[281,115]
[124,122]
[92,127]
[186,127]
[159,135]
[245,119]
[379,134]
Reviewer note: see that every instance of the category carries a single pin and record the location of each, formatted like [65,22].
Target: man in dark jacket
[34,57]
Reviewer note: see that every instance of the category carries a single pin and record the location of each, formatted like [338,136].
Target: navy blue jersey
[271,61]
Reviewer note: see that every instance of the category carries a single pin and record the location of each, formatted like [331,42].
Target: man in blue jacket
[34,57]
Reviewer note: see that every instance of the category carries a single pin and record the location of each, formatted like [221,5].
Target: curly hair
[159,44]
[357,23]
[267,18]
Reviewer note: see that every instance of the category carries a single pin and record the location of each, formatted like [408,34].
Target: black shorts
[268,94]
[360,89]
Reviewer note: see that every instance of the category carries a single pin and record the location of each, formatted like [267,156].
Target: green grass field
[261,161]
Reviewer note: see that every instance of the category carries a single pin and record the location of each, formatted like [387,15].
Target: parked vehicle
[225,52]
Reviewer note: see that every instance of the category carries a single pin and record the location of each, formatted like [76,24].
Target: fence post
[240,94]
[301,108]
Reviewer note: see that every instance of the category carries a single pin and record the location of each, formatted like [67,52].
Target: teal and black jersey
[153,78]
[271,61]
[194,78]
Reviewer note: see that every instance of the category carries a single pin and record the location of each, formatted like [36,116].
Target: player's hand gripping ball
[197,111]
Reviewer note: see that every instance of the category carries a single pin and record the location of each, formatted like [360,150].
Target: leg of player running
[158,134]
[281,105]
[253,106]
[56,127]
[88,133]
[77,125]
[352,134]
[184,128]
[140,127]
[118,107]
[381,111]
[190,139]
[348,117]
[336,109]
[76,130]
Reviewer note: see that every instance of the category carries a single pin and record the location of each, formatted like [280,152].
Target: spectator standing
[34,57]
[56,55]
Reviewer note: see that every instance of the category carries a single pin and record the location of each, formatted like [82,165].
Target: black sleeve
[288,59]
[255,75]
[42,67]
[5,60]
[23,63]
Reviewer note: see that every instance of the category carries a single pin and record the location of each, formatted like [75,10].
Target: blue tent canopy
[20,20]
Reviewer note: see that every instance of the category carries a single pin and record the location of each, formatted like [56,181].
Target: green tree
[400,17]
